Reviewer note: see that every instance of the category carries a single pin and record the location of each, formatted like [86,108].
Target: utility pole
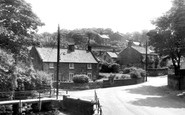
[146,59]
[58,59]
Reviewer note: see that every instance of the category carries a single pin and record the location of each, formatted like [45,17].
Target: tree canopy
[17,25]
[169,37]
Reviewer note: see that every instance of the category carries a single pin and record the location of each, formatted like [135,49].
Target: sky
[119,15]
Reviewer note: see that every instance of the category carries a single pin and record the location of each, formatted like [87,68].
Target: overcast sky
[119,15]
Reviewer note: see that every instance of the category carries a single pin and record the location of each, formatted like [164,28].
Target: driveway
[149,98]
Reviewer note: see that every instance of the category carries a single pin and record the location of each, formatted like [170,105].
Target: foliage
[168,37]
[121,76]
[80,78]
[17,25]
[109,67]
[135,72]
[6,74]
[43,80]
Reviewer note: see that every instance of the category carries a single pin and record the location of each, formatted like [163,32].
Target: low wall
[123,82]
[157,71]
[78,107]
[76,86]
[95,85]
[176,82]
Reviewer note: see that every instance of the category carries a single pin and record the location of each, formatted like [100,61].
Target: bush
[135,72]
[81,78]
[122,76]
[110,68]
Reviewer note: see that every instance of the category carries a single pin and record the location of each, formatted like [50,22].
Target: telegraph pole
[146,59]
[58,59]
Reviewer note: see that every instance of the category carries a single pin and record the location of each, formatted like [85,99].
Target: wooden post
[146,58]
[58,59]
[20,107]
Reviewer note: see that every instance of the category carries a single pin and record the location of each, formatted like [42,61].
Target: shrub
[122,76]
[135,72]
[114,67]
[110,67]
[81,78]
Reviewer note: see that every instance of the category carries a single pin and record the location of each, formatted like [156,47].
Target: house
[106,38]
[135,55]
[72,61]
[110,57]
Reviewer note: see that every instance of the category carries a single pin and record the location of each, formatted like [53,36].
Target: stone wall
[157,72]
[75,86]
[122,82]
[176,82]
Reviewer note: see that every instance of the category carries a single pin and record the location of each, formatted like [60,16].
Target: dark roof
[78,56]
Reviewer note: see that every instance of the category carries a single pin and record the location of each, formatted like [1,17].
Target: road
[149,98]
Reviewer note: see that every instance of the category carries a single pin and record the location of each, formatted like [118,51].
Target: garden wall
[95,85]
[122,82]
[176,82]
[76,86]
[157,71]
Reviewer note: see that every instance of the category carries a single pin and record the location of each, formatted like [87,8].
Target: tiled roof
[78,56]
[112,54]
[142,50]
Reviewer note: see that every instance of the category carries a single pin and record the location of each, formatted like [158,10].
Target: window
[89,66]
[89,75]
[71,66]
[71,76]
[51,65]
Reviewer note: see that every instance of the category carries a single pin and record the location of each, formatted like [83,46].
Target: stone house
[134,55]
[72,61]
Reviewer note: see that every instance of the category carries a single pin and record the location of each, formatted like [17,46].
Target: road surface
[149,98]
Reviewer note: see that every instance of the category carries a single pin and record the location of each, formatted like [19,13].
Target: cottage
[135,55]
[110,57]
[72,61]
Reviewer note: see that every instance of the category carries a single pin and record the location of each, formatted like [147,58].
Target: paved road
[149,98]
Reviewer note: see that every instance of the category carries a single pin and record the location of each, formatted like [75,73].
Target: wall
[79,68]
[176,82]
[36,60]
[124,82]
[157,72]
[73,86]
[129,56]
[78,107]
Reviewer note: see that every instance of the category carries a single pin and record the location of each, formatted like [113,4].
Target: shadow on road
[149,90]
[157,96]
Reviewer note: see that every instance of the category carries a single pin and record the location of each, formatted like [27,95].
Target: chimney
[130,43]
[89,48]
[71,48]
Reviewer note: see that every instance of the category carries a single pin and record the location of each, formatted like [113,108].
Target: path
[149,98]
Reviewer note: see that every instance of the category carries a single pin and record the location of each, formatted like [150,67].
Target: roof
[142,50]
[104,36]
[78,56]
[112,54]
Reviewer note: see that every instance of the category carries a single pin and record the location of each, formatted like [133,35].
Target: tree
[168,37]
[17,25]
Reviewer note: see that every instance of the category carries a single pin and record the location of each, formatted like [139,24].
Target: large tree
[17,25]
[169,36]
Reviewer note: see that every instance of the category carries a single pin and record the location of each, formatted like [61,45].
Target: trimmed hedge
[81,78]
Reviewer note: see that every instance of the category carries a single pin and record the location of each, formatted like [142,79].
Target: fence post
[40,104]
[20,107]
